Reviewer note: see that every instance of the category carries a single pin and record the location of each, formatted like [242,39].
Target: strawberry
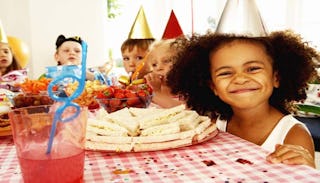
[119,95]
[114,103]
[100,95]
[132,99]
[142,93]
[109,92]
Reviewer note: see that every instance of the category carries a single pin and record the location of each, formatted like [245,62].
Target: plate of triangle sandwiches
[147,129]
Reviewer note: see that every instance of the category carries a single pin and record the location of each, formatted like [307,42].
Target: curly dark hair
[190,77]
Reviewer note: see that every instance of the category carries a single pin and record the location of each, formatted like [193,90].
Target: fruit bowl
[114,98]
[114,104]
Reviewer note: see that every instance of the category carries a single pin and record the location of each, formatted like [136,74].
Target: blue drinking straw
[67,101]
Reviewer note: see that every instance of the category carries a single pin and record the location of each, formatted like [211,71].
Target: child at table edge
[248,86]
[160,59]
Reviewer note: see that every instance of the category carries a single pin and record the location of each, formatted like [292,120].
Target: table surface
[225,158]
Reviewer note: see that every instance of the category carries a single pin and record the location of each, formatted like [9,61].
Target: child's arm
[298,148]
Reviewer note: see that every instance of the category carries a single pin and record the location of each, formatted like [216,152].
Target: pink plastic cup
[31,130]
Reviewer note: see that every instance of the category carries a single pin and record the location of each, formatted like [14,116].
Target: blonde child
[160,59]
[248,85]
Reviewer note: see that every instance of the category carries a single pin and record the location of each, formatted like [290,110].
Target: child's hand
[154,80]
[291,155]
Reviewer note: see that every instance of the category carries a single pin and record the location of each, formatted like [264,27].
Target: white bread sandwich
[189,121]
[172,135]
[91,136]
[159,118]
[106,128]
[125,119]
[109,147]
[156,146]
[159,130]
[137,130]
[140,112]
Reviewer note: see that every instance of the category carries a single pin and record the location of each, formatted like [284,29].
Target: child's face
[69,53]
[6,57]
[160,59]
[132,58]
[242,75]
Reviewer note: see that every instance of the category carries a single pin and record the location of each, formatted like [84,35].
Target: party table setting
[223,158]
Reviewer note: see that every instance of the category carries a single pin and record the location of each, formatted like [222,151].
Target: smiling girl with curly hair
[248,86]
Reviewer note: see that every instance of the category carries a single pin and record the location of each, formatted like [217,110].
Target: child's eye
[166,61]
[254,69]
[154,65]
[139,58]
[224,73]
[125,58]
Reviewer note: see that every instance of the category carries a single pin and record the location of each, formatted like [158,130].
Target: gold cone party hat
[140,28]
[241,17]
[173,29]
[3,36]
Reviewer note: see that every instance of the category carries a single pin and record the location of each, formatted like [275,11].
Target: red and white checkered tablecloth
[225,158]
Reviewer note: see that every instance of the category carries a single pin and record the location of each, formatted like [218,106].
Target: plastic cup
[31,130]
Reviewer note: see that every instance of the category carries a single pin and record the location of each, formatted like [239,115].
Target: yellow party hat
[3,36]
[140,28]
[241,17]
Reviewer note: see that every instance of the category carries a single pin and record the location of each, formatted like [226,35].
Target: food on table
[114,98]
[4,119]
[150,129]
[209,162]
[25,100]
[244,161]
[34,93]
[125,80]
[90,91]
[34,87]
[5,107]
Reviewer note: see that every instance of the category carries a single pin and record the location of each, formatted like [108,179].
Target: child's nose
[240,78]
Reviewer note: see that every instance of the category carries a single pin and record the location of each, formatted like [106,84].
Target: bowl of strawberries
[114,98]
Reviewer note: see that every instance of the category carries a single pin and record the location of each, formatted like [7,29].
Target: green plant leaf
[309,108]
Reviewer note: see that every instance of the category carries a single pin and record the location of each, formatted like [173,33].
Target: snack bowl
[114,104]
[26,100]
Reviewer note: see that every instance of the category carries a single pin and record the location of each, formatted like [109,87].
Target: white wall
[39,22]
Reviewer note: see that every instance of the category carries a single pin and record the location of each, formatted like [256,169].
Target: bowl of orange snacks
[34,93]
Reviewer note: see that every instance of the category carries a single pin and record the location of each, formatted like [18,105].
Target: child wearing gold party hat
[135,48]
[7,60]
